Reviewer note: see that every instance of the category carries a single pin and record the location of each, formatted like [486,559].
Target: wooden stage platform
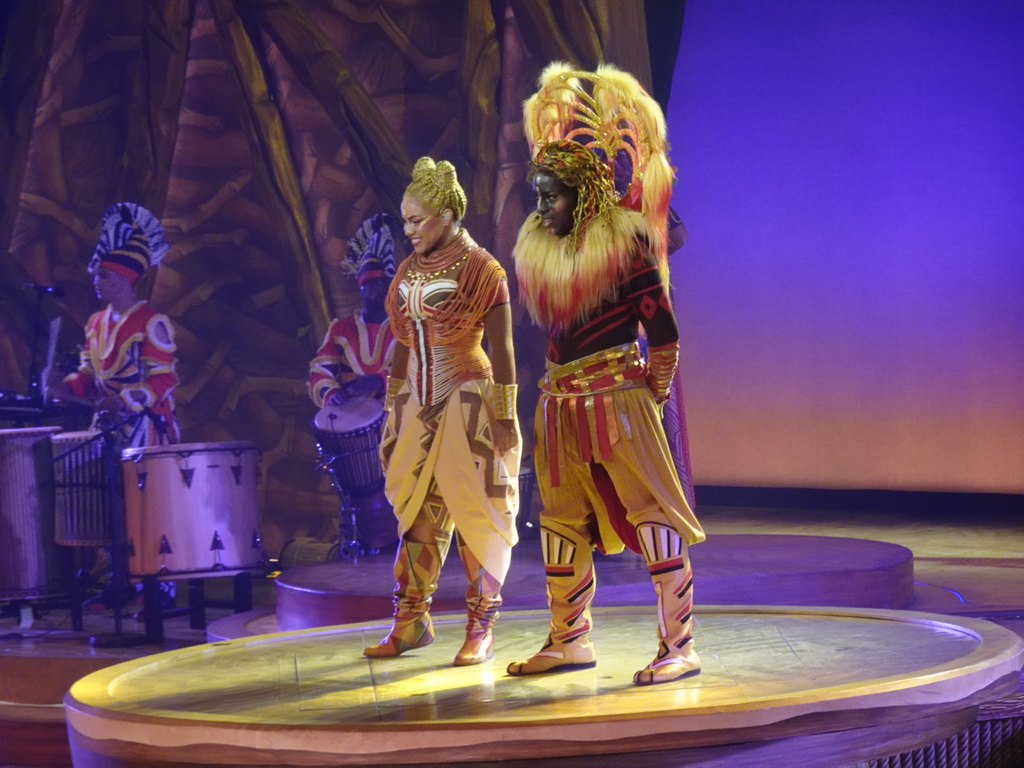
[733,569]
[779,687]
[323,672]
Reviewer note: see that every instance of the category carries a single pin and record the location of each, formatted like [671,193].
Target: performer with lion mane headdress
[593,269]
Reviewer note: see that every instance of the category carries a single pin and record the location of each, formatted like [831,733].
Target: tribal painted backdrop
[262,132]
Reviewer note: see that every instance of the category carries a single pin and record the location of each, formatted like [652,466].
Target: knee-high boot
[668,561]
[571,583]
[417,567]
[483,598]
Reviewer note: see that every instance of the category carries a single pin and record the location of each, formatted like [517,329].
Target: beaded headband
[578,167]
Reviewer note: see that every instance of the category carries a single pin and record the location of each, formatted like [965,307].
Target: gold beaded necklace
[438,263]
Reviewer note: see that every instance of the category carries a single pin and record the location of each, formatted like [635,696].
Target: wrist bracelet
[505,400]
[394,385]
[661,367]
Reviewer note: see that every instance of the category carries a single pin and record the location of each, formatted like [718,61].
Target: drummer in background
[355,356]
[127,366]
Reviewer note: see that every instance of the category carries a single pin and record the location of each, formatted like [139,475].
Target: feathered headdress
[601,133]
[371,250]
[131,241]
[611,114]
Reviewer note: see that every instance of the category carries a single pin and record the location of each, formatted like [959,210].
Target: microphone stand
[35,387]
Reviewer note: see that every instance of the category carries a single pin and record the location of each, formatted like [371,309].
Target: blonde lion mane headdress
[624,184]
[611,114]
[437,185]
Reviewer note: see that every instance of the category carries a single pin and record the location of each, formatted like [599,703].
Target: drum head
[354,414]
[28,432]
[187,449]
[75,437]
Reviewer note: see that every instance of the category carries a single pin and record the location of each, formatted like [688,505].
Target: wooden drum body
[348,439]
[192,508]
[30,562]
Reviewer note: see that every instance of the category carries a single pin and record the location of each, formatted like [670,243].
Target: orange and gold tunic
[441,320]
[437,447]
[351,347]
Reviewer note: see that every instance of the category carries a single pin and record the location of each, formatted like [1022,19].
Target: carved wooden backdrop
[262,132]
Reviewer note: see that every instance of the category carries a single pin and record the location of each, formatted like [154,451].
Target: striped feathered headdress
[131,241]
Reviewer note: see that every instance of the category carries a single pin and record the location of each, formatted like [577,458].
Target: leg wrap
[669,564]
[571,583]
[417,567]
[483,598]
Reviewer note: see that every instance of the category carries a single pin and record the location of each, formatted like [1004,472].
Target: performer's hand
[113,405]
[338,398]
[54,387]
[505,436]
[365,386]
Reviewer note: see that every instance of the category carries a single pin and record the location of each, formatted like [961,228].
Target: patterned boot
[417,567]
[483,598]
[571,582]
[669,563]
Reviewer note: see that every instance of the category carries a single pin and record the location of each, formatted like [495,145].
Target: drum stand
[118,589]
[349,539]
[350,542]
[154,613]
[119,546]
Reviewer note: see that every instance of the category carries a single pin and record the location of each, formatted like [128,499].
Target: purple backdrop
[852,293]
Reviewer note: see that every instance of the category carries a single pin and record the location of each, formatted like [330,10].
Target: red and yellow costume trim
[131,358]
[600,453]
[351,347]
[583,392]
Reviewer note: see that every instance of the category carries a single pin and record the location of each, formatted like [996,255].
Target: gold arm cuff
[394,385]
[505,400]
[661,367]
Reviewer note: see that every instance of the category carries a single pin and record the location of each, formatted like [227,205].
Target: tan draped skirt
[450,445]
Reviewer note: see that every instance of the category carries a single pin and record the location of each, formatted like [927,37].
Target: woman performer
[592,269]
[451,442]
[127,365]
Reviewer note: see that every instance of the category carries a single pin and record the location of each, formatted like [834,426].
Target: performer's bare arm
[498,327]
[400,362]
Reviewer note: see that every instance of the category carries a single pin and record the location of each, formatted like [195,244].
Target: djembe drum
[348,436]
[348,441]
